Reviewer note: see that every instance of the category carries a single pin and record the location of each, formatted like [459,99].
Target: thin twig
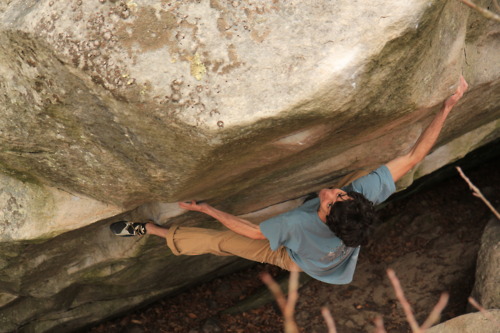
[483,311]
[379,325]
[495,2]
[477,193]
[275,289]
[483,11]
[287,306]
[291,326]
[293,295]
[436,312]
[402,299]
[330,323]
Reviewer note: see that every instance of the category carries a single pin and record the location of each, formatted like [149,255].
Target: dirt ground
[430,239]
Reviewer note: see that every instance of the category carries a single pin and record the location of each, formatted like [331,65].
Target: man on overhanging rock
[323,236]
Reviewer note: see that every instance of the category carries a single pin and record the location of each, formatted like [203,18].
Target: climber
[322,237]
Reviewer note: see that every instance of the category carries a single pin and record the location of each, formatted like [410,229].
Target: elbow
[262,237]
[257,234]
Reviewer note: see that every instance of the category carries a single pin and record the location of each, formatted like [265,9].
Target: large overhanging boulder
[108,105]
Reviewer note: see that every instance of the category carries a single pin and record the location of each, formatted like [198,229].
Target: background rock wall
[108,106]
[487,284]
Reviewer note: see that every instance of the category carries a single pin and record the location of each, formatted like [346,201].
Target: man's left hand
[194,206]
[452,100]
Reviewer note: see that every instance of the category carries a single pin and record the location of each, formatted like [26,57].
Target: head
[349,215]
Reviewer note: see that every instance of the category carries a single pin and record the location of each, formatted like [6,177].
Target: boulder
[125,107]
[26,203]
[470,323]
[195,99]
[487,284]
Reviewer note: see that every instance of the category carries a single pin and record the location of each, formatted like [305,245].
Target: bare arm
[402,164]
[234,223]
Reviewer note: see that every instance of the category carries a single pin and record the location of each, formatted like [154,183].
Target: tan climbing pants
[196,241]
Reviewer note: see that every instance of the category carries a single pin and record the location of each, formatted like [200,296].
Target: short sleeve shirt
[310,242]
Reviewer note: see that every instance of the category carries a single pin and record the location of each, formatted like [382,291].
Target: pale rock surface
[450,152]
[109,105]
[131,102]
[487,285]
[469,323]
[23,205]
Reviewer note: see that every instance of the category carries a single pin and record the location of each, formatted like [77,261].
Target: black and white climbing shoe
[128,229]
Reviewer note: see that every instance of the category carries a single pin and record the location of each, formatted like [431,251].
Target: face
[327,198]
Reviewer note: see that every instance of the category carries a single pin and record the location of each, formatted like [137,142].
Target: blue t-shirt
[310,242]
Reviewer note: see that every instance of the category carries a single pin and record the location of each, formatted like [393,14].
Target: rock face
[469,323]
[26,203]
[487,285]
[109,105]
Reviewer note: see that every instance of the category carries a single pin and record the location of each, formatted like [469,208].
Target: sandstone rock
[469,323]
[116,104]
[168,97]
[29,210]
[487,285]
[451,152]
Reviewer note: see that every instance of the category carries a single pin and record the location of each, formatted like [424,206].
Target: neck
[322,216]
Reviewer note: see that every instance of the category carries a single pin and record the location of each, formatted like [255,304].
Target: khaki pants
[195,241]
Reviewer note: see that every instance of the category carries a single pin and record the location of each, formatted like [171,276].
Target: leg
[153,229]
[196,241]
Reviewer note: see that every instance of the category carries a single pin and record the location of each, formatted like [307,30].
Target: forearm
[402,164]
[429,137]
[234,223]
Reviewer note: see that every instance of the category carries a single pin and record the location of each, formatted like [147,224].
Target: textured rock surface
[169,95]
[23,205]
[487,285]
[243,104]
[469,323]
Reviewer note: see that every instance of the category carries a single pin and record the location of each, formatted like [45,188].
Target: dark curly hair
[352,220]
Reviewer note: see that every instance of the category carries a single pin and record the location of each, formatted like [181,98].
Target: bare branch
[291,326]
[497,6]
[275,289]
[483,11]
[477,193]
[402,299]
[379,325]
[483,311]
[293,295]
[436,312]
[287,306]
[330,323]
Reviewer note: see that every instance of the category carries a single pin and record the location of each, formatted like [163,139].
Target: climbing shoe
[128,229]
